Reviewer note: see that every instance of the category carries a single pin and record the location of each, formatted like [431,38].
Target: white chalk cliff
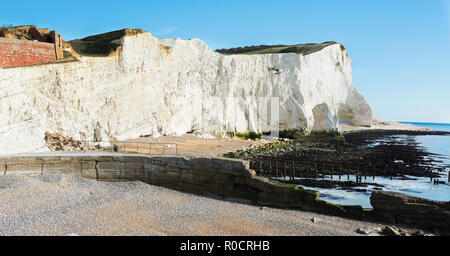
[163,87]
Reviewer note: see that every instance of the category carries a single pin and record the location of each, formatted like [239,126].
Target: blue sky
[400,49]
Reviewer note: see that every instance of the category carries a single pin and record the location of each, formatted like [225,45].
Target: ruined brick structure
[27,45]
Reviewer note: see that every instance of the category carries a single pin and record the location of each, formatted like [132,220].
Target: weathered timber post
[315,171]
[366,172]
[276,170]
[293,170]
[404,172]
[340,171]
[260,168]
[374,172]
[323,171]
[270,169]
[357,169]
[332,171]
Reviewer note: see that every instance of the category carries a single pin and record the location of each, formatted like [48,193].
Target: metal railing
[146,148]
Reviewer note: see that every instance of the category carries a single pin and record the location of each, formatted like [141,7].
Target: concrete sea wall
[215,177]
[227,179]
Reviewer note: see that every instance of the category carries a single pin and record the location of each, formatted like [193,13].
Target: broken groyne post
[332,171]
[365,172]
[315,171]
[270,168]
[293,170]
[374,172]
[276,169]
[323,171]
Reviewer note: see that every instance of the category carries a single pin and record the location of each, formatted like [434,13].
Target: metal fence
[146,148]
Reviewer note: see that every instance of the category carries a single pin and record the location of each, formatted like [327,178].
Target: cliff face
[151,86]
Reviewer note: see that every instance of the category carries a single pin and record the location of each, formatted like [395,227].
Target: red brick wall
[15,52]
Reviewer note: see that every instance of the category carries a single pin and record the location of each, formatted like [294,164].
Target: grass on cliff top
[101,45]
[303,49]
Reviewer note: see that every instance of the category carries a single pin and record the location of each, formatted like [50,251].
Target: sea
[420,187]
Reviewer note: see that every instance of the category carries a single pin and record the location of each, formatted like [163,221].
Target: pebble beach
[59,205]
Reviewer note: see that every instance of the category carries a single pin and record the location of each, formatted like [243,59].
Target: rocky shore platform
[361,153]
[387,153]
